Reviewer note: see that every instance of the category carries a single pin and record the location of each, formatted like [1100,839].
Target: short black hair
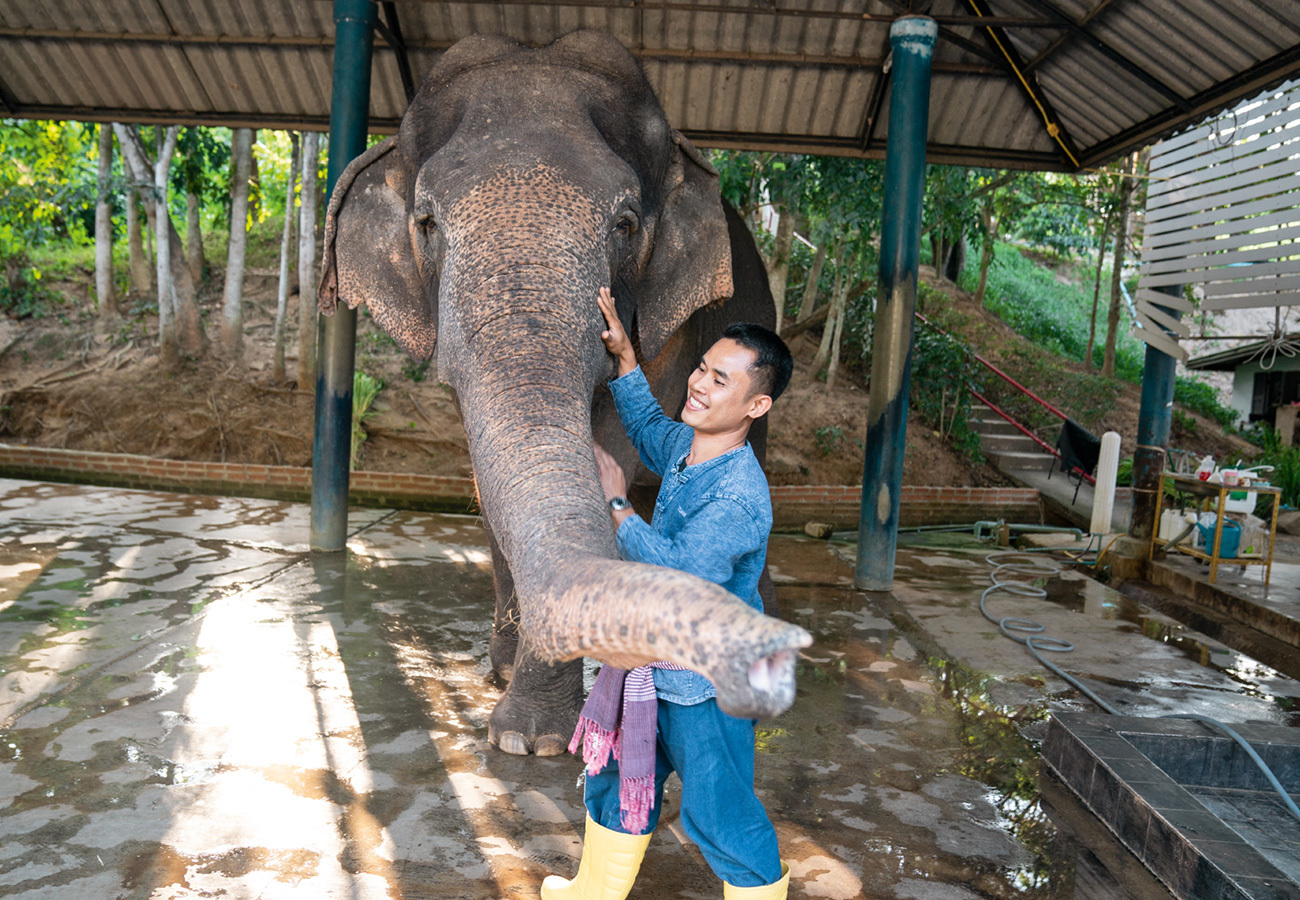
[772,367]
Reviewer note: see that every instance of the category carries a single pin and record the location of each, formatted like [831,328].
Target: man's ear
[690,264]
[759,405]
[369,251]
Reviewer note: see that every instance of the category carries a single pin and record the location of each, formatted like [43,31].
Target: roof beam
[876,101]
[1112,54]
[798,60]
[1015,64]
[753,9]
[1064,37]
[390,29]
[1258,77]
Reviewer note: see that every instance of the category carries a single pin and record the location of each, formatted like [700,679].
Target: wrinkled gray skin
[520,182]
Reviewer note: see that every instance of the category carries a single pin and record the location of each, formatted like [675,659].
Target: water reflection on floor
[194,706]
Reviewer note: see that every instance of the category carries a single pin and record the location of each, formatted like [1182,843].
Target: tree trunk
[955,258]
[778,268]
[1117,274]
[104,226]
[809,301]
[169,346]
[986,253]
[141,279]
[1096,295]
[254,181]
[232,320]
[282,297]
[828,330]
[841,313]
[307,264]
[194,238]
[182,310]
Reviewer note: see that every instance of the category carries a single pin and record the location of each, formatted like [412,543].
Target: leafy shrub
[827,439]
[364,390]
[940,390]
[1204,399]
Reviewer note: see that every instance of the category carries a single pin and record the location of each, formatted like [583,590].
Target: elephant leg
[539,710]
[504,644]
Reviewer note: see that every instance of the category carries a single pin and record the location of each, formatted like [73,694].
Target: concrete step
[993,425]
[1018,461]
[1003,443]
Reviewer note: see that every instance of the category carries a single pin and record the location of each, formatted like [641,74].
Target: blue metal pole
[354,22]
[1155,415]
[912,39]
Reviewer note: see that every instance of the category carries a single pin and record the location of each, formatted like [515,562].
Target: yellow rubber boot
[774,891]
[610,861]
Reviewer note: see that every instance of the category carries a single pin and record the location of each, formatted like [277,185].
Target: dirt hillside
[71,380]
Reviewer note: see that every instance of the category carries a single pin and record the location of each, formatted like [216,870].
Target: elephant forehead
[537,198]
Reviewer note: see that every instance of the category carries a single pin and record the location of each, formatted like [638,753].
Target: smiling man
[712,519]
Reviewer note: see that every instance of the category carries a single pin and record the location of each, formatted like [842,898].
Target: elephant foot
[538,719]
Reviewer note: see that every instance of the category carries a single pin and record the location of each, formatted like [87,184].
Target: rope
[1030,633]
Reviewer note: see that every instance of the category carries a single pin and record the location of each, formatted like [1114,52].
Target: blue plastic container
[1228,544]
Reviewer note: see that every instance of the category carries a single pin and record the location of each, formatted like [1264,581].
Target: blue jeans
[713,754]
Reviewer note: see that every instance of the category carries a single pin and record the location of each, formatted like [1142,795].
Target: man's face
[718,394]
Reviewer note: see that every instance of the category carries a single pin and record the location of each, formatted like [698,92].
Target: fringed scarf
[620,719]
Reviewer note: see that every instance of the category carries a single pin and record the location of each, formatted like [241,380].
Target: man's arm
[652,433]
[709,546]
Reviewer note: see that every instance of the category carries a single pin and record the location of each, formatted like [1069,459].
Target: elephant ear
[690,265]
[369,255]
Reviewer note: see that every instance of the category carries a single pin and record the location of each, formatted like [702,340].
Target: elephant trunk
[527,417]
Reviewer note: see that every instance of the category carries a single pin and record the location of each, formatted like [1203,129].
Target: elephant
[521,181]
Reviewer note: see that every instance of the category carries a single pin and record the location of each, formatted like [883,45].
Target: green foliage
[415,371]
[1204,399]
[48,182]
[1052,313]
[1285,461]
[1184,422]
[22,295]
[1124,472]
[942,371]
[364,390]
[827,439]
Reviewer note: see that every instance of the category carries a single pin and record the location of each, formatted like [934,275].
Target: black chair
[1080,449]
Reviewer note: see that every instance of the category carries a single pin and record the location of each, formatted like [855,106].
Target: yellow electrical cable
[1053,129]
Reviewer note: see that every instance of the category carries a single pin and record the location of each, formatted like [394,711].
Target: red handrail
[1003,375]
[1042,443]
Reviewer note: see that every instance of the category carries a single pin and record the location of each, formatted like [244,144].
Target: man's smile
[693,403]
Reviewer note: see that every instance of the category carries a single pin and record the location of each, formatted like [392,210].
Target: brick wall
[793,505]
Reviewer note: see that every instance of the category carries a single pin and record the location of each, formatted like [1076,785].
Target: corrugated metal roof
[793,75]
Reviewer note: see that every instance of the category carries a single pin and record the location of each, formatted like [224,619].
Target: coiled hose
[1010,563]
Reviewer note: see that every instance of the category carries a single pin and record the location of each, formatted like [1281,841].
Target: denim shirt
[711,519]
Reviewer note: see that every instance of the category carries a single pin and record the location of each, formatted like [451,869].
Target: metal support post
[1155,415]
[354,22]
[912,39]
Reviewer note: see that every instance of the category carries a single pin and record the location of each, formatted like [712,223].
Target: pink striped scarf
[620,718]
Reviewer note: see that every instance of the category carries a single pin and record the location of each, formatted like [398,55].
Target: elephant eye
[426,223]
[627,224]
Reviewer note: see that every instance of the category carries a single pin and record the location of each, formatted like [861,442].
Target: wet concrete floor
[192,705]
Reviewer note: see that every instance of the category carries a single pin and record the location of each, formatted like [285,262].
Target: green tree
[48,178]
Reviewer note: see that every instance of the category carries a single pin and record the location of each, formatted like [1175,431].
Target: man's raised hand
[615,338]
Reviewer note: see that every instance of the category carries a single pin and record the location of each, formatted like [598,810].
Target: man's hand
[613,481]
[615,338]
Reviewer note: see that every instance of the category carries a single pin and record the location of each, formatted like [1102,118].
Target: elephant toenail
[513,742]
[549,745]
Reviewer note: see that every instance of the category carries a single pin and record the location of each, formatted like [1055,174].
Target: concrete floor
[192,705]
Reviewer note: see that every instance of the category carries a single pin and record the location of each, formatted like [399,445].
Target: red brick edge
[792,505]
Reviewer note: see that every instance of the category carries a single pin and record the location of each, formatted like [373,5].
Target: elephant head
[519,183]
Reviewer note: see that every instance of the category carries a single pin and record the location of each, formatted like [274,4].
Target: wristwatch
[619,503]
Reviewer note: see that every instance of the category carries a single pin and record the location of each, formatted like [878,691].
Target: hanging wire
[1275,344]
